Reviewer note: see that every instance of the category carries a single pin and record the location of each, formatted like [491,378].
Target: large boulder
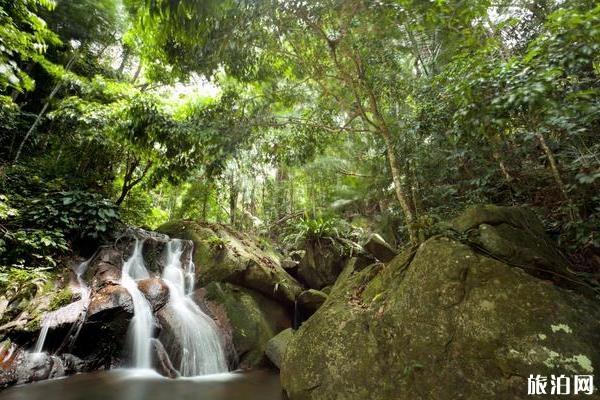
[312,299]
[109,300]
[156,292]
[22,367]
[516,236]
[325,258]
[443,321]
[222,254]
[253,317]
[379,248]
[277,346]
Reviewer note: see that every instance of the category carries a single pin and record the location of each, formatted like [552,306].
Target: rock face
[446,321]
[156,291]
[379,248]
[322,263]
[23,367]
[222,254]
[516,236]
[254,320]
[312,299]
[277,346]
[324,260]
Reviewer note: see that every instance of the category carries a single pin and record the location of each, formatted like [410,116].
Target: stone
[516,236]
[277,346]
[222,254]
[253,317]
[312,299]
[444,321]
[156,292]
[323,261]
[162,362]
[379,248]
[109,299]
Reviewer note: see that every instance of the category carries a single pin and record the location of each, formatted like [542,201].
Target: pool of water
[147,385]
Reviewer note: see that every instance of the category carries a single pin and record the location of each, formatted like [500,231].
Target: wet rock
[33,367]
[156,291]
[162,362]
[379,248]
[109,299]
[222,254]
[312,299]
[445,321]
[254,319]
[105,274]
[105,267]
[224,328]
[73,364]
[277,346]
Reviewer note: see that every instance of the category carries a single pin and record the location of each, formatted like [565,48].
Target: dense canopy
[383,116]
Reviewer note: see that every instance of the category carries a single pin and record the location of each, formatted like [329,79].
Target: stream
[123,384]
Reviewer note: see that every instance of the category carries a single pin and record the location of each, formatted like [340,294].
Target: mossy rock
[516,236]
[254,320]
[222,254]
[277,346]
[61,299]
[442,322]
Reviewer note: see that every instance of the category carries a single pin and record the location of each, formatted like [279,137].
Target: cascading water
[201,350]
[195,334]
[75,310]
[142,324]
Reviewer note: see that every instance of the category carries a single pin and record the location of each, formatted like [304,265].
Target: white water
[70,312]
[141,327]
[201,348]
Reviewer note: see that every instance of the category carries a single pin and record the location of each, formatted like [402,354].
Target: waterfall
[39,345]
[75,310]
[142,324]
[195,334]
[201,350]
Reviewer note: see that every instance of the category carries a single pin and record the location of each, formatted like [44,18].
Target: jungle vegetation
[293,117]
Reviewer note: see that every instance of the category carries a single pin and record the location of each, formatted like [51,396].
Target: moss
[61,299]
[216,242]
[255,319]
[34,324]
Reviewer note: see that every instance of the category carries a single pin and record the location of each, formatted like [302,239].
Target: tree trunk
[555,171]
[137,73]
[233,198]
[553,164]
[43,111]
[124,60]
[413,231]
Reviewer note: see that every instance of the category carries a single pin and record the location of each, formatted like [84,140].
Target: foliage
[24,36]
[390,116]
[61,299]
[311,230]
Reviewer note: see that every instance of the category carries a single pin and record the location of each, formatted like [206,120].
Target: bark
[413,231]
[124,60]
[555,171]
[233,198]
[43,110]
[138,71]
[129,182]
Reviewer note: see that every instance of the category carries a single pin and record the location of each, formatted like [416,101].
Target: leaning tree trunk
[555,172]
[413,231]
[44,109]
